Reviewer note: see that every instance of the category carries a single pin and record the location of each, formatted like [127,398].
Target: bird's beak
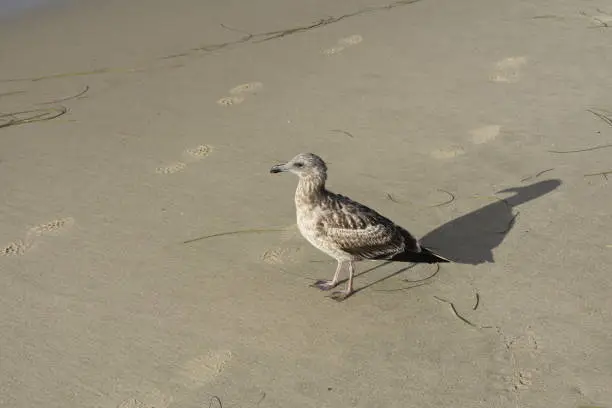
[279,168]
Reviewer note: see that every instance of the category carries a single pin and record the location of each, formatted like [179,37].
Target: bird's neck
[310,190]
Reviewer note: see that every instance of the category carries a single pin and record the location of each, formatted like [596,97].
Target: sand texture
[129,127]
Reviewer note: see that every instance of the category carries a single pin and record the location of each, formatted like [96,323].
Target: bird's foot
[324,284]
[340,296]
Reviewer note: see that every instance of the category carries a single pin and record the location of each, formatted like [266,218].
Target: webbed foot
[324,284]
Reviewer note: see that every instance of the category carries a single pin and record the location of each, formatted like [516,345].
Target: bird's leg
[340,296]
[326,284]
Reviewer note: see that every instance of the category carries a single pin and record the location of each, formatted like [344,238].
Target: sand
[176,125]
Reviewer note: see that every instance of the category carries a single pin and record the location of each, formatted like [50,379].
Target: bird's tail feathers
[425,256]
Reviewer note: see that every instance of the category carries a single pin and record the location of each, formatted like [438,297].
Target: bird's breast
[308,224]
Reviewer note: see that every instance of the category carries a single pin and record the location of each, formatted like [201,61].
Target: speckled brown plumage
[343,228]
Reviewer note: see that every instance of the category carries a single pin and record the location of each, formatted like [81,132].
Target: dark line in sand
[11,93]
[545,16]
[47,114]
[249,38]
[454,309]
[603,24]
[537,174]
[452,198]
[601,116]
[247,231]
[390,197]
[83,92]
[581,150]
[343,131]
[418,282]
[263,397]
[603,173]
[78,73]
[477,302]
[330,20]
[427,278]
[235,30]
[213,399]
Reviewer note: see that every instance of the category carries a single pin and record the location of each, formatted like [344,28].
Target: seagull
[345,229]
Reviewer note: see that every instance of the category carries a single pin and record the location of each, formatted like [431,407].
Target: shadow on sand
[471,238]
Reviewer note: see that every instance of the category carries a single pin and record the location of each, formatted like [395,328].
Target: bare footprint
[333,50]
[350,40]
[231,100]
[154,399]
[448,153]
[279,256]
[18,247]
[202,370]
[239,92]
[249,87]
[171,168]
[508,70]
[191,154]
[52,228]
[343,43]
[132,403]
[197,153]
[485,134]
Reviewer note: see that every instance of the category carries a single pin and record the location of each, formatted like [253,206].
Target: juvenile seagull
[344,229]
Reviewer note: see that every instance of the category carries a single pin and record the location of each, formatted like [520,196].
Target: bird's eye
[299,165]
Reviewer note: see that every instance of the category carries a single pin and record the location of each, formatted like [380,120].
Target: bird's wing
[361,231]
[374,242]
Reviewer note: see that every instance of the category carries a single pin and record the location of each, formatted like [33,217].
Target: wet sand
[455,119]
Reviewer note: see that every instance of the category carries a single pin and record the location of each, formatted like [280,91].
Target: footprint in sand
[513,372]
[132,403]
[191,154]
[508,70]
[448,153]
[280,256]
[231,100]
[54,228]
[485,134]
[197,153]
[171,168]
[247,88]
[51,228]
[343,44]
[154,399]
[289,254]
[239,93]
[202,370]
[18,247]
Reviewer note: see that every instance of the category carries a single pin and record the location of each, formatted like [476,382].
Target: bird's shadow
[414,283]
[471,238]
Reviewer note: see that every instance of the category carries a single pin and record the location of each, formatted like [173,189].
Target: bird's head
[304,165]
